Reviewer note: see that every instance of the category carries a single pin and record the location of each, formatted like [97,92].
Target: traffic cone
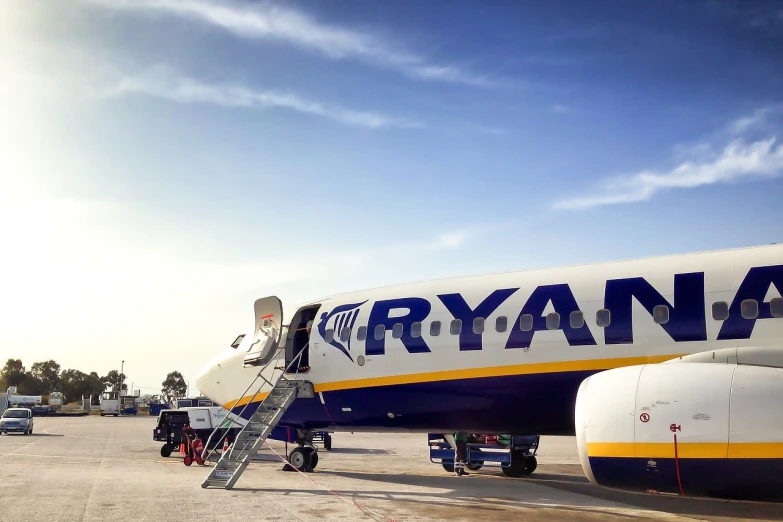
[182,449]
[225,445]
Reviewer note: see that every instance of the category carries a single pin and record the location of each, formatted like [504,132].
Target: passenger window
[526,323]
[456,327]
[776,307]
[577,319]
[361,333]
[416,330]
[329,337]
[501,324]
[397,331]
[345,334]
[478,325]
[661,314]
[380,332]
[749,309]
[603,318]
[720,311]
[435,328]
[553,321]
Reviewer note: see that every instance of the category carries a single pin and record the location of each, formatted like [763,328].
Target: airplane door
[269,321]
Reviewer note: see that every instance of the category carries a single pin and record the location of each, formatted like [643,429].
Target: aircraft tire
[165,450]
[313,455]
[300,459]
[328,443]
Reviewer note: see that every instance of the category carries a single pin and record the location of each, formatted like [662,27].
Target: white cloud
[162,83]
[738,161]
[760,119]
[267,21]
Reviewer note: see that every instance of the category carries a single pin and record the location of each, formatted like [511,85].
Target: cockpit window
[237,341]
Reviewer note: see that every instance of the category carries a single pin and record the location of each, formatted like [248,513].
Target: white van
[202,420]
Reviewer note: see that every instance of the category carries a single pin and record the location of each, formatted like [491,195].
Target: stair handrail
[205,452]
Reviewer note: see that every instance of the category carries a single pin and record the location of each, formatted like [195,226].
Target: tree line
[46,376]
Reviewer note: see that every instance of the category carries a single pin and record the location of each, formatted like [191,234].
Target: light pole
[122,367]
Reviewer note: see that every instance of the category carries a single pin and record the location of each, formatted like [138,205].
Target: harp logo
[344,316]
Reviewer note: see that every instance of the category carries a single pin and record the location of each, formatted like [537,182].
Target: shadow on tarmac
[506,495]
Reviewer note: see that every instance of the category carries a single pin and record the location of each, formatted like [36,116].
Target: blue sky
[166,162]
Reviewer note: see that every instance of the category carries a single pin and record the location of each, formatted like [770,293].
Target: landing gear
[520,465]
[313,457]
[300,459]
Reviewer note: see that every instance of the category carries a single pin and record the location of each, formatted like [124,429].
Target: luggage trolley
[514,454]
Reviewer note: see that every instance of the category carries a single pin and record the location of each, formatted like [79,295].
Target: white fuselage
[506,353]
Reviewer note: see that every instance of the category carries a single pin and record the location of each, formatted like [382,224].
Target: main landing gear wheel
[520,465]
[327,443]
[165,451]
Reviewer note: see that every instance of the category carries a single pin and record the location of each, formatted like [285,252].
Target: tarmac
[94,468]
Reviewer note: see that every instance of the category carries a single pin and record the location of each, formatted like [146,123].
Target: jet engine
[688,426]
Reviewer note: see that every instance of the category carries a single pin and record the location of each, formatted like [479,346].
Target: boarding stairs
[249,440]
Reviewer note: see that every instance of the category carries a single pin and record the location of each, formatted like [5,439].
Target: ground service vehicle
[17,420]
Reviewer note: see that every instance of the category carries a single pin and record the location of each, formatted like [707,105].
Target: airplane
[668,370]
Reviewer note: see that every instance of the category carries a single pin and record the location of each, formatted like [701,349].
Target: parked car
[19,420]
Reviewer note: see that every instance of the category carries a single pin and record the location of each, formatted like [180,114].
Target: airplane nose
[208,379]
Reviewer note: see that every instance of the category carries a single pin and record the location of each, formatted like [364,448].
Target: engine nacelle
[700,429]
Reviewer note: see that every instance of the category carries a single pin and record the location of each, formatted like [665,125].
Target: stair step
[249,440]
[215,483]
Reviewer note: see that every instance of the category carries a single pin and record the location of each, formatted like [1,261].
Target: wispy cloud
[738,161]
[163,83]
[760,119]
[271,22]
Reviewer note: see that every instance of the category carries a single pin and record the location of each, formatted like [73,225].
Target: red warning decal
[675,428]
[644,417]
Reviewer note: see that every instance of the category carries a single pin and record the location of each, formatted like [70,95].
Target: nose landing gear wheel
[300,459]
[313,455]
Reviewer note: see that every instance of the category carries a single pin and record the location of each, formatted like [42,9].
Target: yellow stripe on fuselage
[687,450]
[474,373]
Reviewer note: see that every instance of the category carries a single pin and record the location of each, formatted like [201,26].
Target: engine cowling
[698,429]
